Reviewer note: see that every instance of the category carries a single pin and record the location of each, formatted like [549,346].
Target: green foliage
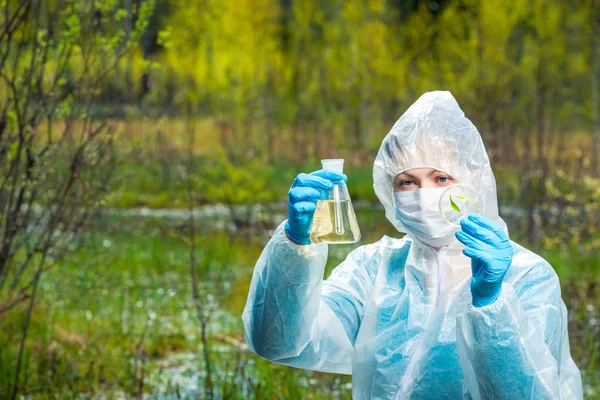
[157,182]
[341,68]
[229,181]
[574,204]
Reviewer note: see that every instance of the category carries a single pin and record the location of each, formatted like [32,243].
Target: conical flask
[334,220]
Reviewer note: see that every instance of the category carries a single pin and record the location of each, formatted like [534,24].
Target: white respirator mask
[419,212]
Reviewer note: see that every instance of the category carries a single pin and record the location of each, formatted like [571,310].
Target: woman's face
[418,178]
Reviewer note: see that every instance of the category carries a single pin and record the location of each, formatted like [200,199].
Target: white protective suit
[396,314]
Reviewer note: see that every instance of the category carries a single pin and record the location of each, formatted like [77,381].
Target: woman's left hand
[491,254]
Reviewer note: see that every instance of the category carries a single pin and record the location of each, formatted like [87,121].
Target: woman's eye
[443,179]
[406,183]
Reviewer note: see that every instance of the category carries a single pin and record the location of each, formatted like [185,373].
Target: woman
[444,312]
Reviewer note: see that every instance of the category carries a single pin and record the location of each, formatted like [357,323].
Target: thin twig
[15,19]
[202,315]
[26,329]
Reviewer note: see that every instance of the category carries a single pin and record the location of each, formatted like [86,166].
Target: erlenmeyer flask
[334,220]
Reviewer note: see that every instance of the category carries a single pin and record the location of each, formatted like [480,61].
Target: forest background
[147,147]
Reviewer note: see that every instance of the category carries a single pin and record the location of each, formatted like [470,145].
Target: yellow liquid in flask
[324,228]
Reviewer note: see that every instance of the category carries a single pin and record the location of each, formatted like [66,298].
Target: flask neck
[341,189]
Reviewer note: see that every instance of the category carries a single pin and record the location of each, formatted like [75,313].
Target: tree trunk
[357,126]
[509,155]
[540,114]
[128,67]
[146,51]
[595,53]
[317,140]
[541,163]
[270,139]
[223,133]
[248,126]
[299,150]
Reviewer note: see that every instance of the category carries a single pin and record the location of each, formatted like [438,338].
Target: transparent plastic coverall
[398,315]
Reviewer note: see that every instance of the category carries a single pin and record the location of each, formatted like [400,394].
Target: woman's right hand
[306,190]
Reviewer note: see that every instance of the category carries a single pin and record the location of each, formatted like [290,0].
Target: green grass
[149,177]
[146,183]
[152,153]
[121,308]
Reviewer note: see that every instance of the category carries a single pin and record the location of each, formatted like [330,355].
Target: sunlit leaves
[72,26]
[120,15]
[165,37]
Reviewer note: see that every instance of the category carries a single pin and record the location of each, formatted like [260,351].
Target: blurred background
[147,147]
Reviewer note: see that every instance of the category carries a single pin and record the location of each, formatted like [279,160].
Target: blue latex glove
[491,254]
[306,190]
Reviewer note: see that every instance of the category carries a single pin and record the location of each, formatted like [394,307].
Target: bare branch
[13,21]
[15,302]
[26,329]
[50,184]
